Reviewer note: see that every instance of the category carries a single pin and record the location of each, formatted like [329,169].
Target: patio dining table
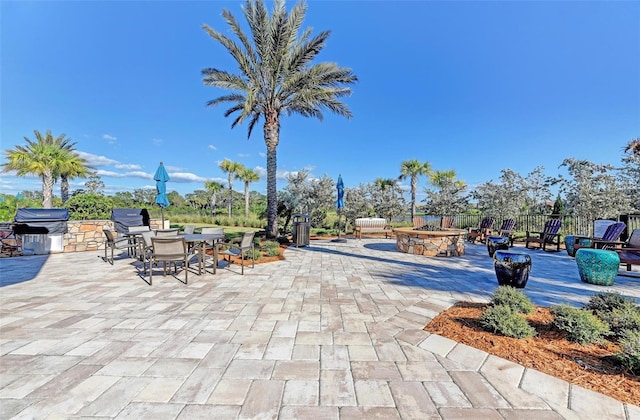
[199,241]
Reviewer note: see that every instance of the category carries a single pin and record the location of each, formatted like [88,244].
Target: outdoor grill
[41,230]
[123,219]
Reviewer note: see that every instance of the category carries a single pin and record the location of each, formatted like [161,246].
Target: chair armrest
[634,250]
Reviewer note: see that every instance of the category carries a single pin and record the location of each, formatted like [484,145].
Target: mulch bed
[589,366]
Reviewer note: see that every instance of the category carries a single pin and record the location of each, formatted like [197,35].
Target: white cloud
[243,155]
[127,166]
[212,147]
[262,154]
[109,138]
[186,177]
[157,142]
[279,174]
[95,160]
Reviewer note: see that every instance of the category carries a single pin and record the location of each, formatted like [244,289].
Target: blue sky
[472,86]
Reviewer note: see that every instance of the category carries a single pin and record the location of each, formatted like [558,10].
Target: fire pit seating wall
[372,225]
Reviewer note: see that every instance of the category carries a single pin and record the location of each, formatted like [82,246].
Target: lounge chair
[419,222]
[629,252]
[482,231]
[506,229]
[548,236]
[446,222]
[608,240]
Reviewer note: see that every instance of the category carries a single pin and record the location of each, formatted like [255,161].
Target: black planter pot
[512,268]
[495,243]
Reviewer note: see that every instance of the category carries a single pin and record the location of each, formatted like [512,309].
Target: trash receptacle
[301,228]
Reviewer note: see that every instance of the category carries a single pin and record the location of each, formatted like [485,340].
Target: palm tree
[384,183]
[247,175]
[633,147]
[49,158]
[231,168]
[413,168]
[213,187]
[73,166]
[70,164]
[276,76]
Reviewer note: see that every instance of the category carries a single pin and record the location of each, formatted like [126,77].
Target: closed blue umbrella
[340,186]
[340,205]
[161,177]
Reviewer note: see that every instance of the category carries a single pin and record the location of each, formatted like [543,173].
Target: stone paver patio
[332,332]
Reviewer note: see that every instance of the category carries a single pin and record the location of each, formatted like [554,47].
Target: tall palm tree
[72,166]
[633,146]
[247,175]
[413,169]
[276,76]
[231,168]
[48,157]
[213,187]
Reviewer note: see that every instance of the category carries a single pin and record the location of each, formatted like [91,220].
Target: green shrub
[271,248]
[580,325]
[503,320]
[619,312]
[630,355]
[256,254]
[513,298]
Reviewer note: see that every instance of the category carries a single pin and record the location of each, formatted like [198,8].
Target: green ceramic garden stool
[597,266]
[569,242]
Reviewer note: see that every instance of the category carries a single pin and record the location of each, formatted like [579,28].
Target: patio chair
[506,229]
[112,243]
[446,222]
[233,250]
[146,248]
[482,231]
[419,222]
[167,233]
[171,251]
[608,240]
[208,245]
[549,235]
[189,229]
[629,252]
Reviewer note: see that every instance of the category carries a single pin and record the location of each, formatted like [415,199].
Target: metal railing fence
[571,225]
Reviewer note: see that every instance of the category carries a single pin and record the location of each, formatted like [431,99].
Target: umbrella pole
[339,239]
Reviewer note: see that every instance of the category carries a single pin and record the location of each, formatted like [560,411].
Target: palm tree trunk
[64,188]
[271,138]
[47,190]
[230,192]
[246,200]
[414,185]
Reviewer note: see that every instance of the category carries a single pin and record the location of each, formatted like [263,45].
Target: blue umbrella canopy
[161,177]
[340,186]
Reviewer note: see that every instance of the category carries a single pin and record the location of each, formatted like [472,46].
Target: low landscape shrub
[271,248]
[619,312]
[503,320]
[629,357]
[513,298]
[580,325]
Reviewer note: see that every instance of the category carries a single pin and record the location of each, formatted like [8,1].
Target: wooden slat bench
[372,225]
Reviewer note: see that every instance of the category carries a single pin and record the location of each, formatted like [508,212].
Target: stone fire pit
[431,243]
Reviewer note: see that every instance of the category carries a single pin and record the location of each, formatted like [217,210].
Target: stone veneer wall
[87,235]
[431,246]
